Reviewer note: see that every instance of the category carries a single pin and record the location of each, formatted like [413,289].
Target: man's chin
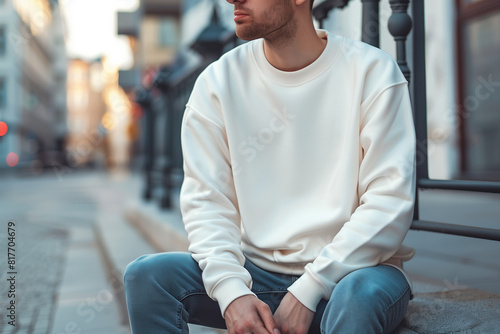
[246,35]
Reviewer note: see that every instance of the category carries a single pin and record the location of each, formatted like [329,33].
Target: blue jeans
[165,292]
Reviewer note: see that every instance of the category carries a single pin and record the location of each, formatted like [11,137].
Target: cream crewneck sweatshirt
[308,173]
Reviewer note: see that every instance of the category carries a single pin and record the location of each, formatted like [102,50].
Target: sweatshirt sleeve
[386,189]
[210,211]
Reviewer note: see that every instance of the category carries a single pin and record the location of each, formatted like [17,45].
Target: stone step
[139,231]
[119,244]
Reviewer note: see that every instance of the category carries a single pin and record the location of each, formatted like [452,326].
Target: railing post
[370,29]
[420,94]
[420,89]
[143,98]
[163,84]
[400,25]
[166,172]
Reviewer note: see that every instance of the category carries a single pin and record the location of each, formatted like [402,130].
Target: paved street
[61,285]
[39,264]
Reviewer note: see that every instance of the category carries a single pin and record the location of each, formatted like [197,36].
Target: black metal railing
[163,104]
[400,25]
[420,110]
[176,92]
[143,98]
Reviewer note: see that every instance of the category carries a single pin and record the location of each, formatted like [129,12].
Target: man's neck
[296,52]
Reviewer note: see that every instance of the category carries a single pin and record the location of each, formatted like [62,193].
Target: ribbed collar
[308,73]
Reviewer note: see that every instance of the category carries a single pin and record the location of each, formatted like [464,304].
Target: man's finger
[267,318]
[260,329]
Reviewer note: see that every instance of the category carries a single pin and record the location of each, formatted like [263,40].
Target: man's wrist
[308,291]
[229,290]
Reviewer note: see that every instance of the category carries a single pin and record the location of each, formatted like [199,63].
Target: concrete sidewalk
[456,279]
[86,298]
[61,286]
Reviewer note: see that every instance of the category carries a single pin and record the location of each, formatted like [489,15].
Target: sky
[91,30]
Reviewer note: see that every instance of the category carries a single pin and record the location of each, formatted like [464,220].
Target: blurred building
[99,114]
[86,107]
[196,15]
[32,82]
[154,34]
[154,31]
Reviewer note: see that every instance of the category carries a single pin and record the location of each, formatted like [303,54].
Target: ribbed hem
[228,290]
[308,291]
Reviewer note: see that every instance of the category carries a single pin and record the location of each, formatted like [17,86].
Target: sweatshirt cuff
[308,291]
[228,290]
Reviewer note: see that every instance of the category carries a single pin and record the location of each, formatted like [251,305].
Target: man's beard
[275,25]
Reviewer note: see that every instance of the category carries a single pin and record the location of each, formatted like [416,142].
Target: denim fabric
[165,291]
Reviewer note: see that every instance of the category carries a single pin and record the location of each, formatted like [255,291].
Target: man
[298,190]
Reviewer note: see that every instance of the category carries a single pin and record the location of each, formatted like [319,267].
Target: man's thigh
[373,297]
[179,275]
[268,286]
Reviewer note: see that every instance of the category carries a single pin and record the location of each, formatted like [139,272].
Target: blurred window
[168,32]
[479,73]
[3,40]
[187,4]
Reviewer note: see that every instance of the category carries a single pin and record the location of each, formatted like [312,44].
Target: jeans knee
[357,298]
[372,298]
[361,293]
[165,269]
[135,271]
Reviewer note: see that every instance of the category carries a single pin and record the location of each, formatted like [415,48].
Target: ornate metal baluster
[400,25]
[370,29]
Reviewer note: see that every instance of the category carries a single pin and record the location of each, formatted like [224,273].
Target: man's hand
[292,317]
[249,315]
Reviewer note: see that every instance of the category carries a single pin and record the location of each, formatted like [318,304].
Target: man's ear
[300,2]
